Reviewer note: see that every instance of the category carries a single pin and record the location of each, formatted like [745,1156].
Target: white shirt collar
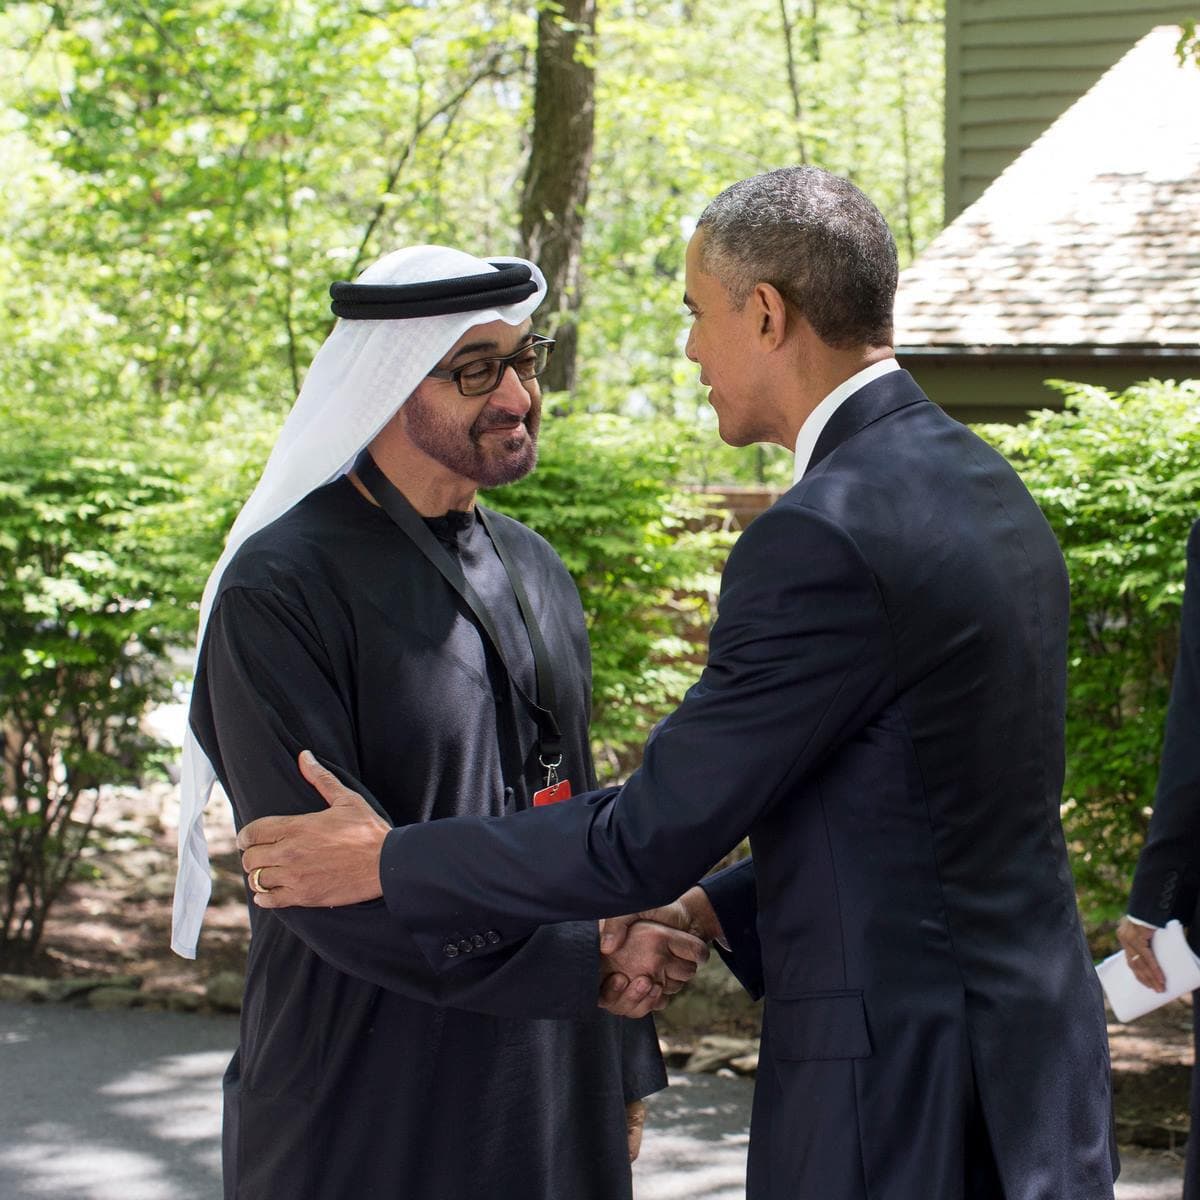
[815,422]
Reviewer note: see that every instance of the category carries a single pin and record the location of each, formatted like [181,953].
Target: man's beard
[488,463]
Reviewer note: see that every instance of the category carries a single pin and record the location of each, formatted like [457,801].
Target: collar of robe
[508,284]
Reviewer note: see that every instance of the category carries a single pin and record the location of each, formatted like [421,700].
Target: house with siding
[1014,66]
[1076,256]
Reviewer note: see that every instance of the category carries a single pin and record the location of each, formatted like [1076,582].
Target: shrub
[1118,477]
[107,528]
[644,553]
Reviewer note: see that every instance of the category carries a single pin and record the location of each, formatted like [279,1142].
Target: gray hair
[818,240]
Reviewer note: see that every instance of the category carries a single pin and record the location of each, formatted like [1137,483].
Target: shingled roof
[1089,242]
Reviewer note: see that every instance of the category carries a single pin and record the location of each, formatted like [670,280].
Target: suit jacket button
[450,950]
[493,937]
[477,941]
[466,945]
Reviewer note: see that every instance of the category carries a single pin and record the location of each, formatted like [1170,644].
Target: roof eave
[1016,355]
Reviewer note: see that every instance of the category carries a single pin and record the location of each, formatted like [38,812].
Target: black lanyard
[392,501]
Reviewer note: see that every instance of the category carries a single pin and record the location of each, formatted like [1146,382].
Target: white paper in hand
[1130,999]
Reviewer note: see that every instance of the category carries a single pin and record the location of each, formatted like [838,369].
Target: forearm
[552,974]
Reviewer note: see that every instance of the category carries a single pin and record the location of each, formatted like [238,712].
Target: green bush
[107,529]
[645,554]
[1118,477]
[82,642]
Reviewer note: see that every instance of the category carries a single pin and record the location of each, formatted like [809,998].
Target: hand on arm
[1135,941]
[317,860]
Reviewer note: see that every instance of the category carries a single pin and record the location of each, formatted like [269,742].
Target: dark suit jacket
[882,711]
[1167,881]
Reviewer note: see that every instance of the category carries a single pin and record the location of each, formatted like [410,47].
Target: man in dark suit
[1166,883]
[881,712]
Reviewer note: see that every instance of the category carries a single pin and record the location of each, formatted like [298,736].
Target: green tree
[1118,477]
[558,171]
[183,182]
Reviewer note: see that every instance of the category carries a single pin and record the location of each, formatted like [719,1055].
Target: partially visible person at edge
[434,655]
[1166,883]
[882,711]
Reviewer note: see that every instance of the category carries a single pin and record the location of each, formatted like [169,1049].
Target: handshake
[646,957]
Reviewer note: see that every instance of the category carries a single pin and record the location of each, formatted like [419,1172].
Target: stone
[746,1065]
[224,991]
[79,989]
[26,988]
[108,998]
[717,1051]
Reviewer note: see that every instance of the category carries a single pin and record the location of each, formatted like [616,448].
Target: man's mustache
[498,420]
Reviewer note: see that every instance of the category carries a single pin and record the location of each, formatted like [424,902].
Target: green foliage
[694,96]
[188,179]
[644,554]
[182,182]
[1118,477]
[87,610]
[1189,44]
[106,541]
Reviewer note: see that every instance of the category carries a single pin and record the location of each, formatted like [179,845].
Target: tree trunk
[793,86]
[554,196]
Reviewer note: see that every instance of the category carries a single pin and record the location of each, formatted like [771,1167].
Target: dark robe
[360,1072]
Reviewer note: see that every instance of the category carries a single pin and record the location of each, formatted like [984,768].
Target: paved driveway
[126,1106]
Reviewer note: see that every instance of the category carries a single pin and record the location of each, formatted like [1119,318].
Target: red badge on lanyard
[555,789]
[552,794]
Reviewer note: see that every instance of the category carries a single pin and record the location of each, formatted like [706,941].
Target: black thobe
[360,1072]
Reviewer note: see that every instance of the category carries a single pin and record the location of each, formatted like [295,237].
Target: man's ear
[770,314]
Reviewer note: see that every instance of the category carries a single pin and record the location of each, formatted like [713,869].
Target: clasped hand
[647,963]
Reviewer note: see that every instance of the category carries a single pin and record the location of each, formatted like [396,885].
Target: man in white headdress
[367,608]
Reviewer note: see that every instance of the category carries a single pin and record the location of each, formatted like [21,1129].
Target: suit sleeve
[1166,883]
[733,893]
[799,659]
[265,692]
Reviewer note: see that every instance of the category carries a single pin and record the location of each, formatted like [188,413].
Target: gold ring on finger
[256,881]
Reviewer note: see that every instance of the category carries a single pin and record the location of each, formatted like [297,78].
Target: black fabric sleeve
[718,763]
[734,896]
[1166,883]
[266,691]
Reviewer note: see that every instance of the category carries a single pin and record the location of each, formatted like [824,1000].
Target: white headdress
[359,378]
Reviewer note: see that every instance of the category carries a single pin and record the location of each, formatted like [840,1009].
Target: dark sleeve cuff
[734,896]
[1161,890]
[550,970]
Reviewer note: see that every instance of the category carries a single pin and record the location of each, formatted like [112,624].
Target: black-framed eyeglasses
[482,376]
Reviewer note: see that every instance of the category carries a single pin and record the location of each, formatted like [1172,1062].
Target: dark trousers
[1191,1171]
